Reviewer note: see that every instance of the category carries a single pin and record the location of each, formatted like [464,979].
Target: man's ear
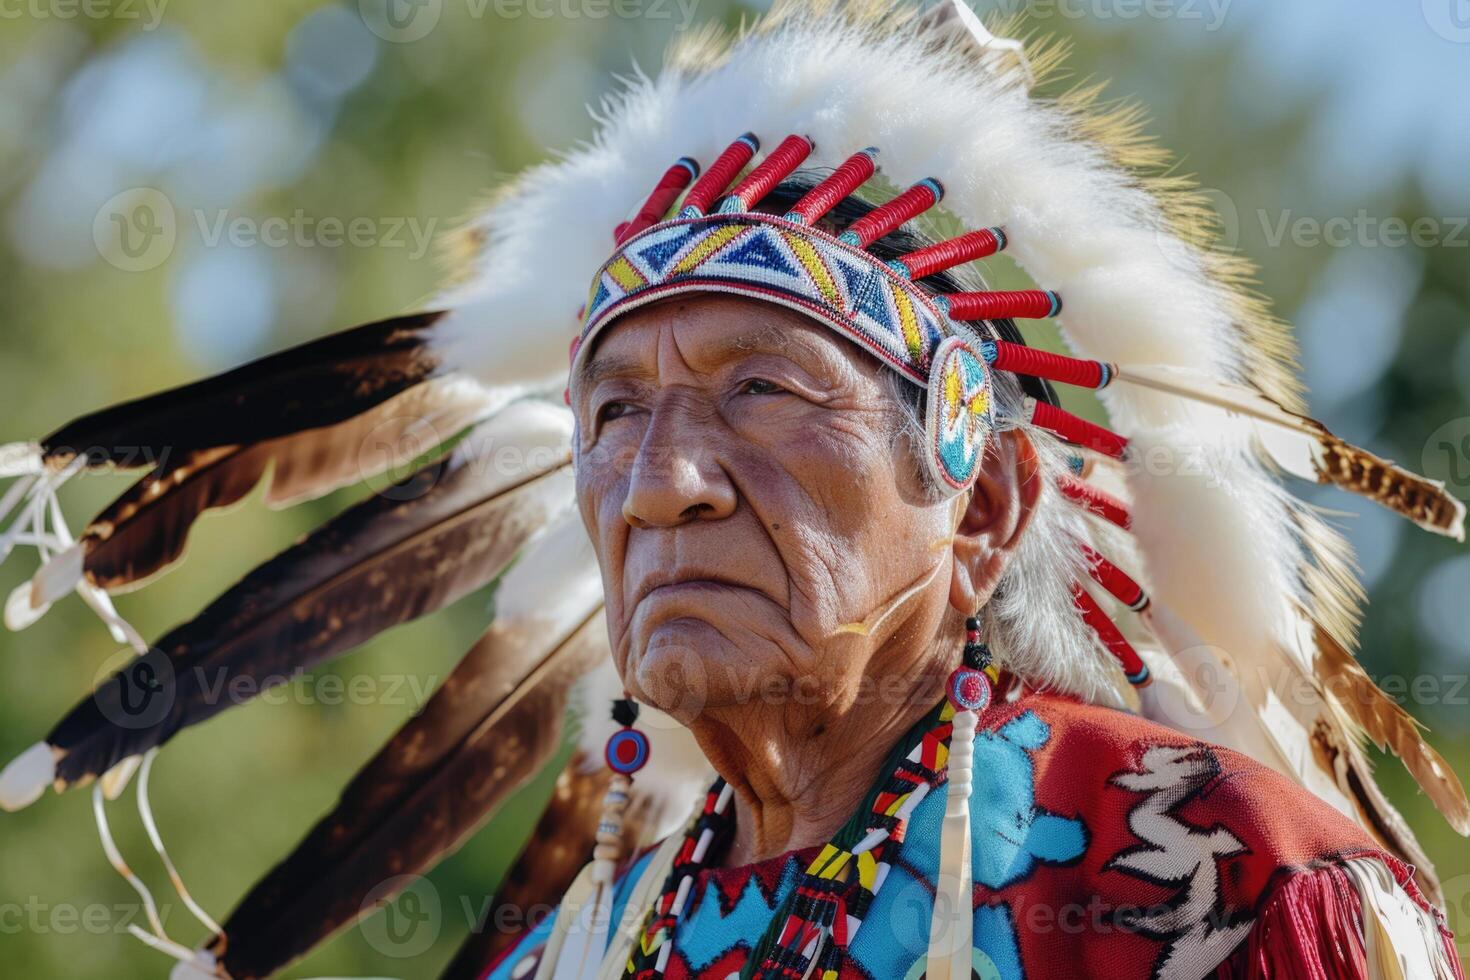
[995,515]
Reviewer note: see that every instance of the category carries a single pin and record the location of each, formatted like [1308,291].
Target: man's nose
[676,476]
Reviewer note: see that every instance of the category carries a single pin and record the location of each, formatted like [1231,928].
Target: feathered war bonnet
[1214,571]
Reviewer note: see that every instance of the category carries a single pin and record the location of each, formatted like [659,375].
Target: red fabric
[881,220]
[1120,584]
[1108,632]
[1083,771]
[1020,304]
[1311,929]
[1117,848]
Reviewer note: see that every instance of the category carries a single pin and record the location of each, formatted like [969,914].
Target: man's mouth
[667,584]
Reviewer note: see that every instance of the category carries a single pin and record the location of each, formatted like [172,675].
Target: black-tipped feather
[146,529]
[315,384]
[490,727]
[444,532]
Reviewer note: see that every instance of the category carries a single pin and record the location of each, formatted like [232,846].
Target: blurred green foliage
[420,130]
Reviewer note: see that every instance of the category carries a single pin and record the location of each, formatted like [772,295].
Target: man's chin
[686,665]
[675,661]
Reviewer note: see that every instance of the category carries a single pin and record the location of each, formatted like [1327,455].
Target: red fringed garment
[1104,846]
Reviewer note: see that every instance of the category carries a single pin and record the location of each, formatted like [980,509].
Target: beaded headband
[718,243]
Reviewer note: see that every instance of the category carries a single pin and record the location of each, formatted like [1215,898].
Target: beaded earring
[970,683]
[969,690]
[575,945]
[626,753]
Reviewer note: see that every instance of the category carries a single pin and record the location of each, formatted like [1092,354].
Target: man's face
[754,509]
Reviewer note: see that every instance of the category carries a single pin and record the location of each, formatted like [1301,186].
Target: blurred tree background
[1335,140]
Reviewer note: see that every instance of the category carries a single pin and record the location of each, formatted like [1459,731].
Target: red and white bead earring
[626,753]
[575,945]
[951,928]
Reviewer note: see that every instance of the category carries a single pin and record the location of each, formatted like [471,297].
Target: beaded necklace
[823,913]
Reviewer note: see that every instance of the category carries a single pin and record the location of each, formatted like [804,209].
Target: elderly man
[842,531]
[755,484]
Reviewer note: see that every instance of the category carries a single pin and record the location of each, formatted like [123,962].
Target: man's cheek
[817,598]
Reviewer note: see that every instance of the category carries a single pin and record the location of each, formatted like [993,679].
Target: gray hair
[1032,625]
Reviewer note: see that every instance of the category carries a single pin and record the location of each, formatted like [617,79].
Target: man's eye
[759,386]
[613,410]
